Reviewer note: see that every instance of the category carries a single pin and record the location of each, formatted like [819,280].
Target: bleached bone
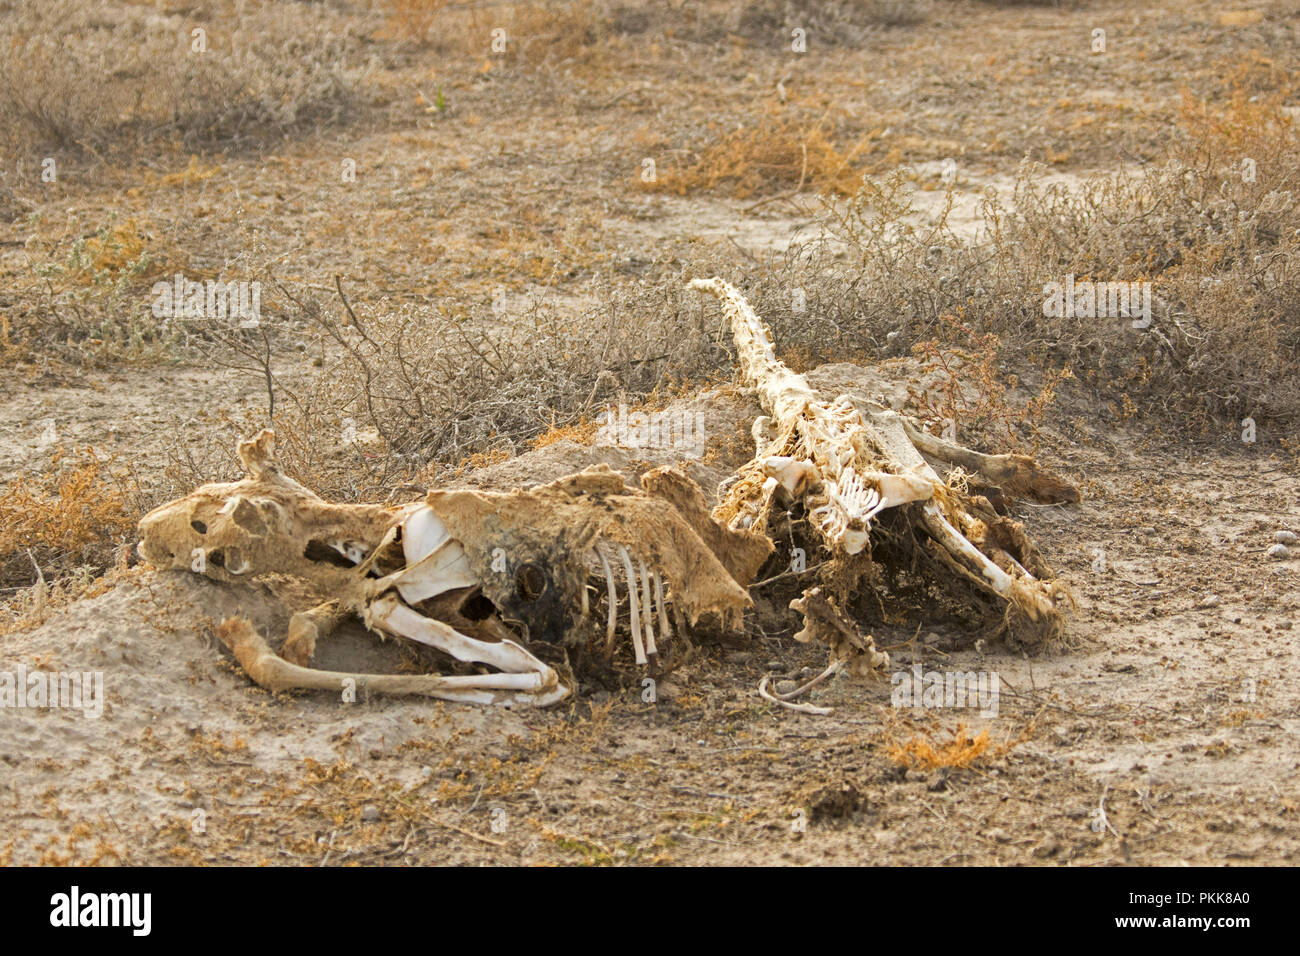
[634,611]
[648,604]
[851,466]
[612,598]
[277,674]
[664,632]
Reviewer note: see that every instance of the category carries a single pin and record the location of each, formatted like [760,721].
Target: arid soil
[1162,729]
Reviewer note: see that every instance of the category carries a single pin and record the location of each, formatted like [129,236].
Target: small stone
[1279,552]
[370,813]
[786,687]
[1210,600]
[1287,538]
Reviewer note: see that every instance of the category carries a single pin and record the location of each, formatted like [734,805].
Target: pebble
[1279,552]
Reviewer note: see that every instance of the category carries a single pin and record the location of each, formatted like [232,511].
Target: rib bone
[633,611]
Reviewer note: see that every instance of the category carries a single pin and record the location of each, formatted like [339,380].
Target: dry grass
[502,35]
[920,751]
[114,77]
[973,393]
[77,516]
[84,299]
[781,149]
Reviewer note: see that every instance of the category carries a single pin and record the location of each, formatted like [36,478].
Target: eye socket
[530,582]
[199,526]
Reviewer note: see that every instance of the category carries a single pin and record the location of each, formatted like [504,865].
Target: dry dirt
[1161,731]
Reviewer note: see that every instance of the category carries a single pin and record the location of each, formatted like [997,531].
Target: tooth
[649,612]
[632,605]
[613,601]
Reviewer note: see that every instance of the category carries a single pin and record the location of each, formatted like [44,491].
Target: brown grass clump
[78,515]
[920,751]
[502,35]
[780,150]
[582,432]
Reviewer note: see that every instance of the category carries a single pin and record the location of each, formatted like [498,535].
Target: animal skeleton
[850,459]
[475,574]
[489,577]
